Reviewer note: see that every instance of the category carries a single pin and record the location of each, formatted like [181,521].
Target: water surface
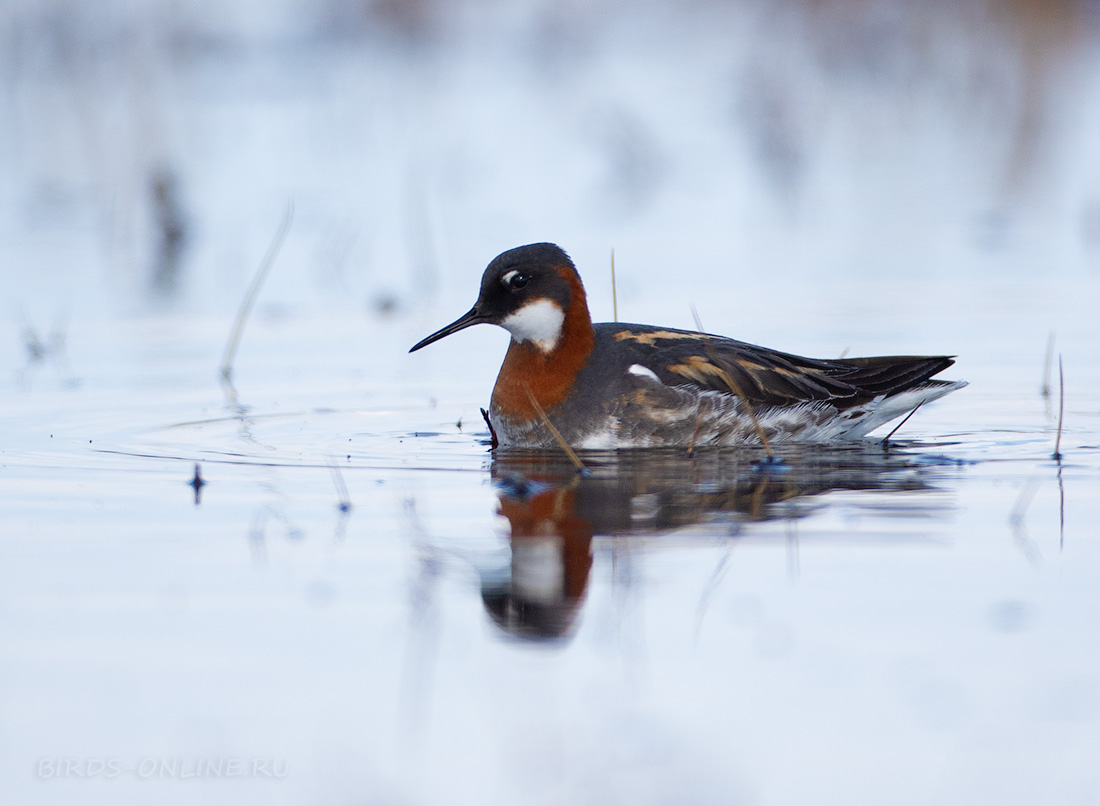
[362,603]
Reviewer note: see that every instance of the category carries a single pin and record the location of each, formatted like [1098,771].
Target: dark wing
[768,377]
[887,375]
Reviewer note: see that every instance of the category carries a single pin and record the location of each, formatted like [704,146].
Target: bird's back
[761,375]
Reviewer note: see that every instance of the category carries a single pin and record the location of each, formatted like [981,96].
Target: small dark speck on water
[197,483]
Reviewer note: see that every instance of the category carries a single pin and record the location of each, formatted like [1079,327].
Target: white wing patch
[538,322]
[643,372]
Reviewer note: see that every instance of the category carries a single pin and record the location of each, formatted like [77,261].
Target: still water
[320,586]
[364,604]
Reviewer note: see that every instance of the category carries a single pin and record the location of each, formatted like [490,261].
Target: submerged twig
[1057,457]
[728,380]
[554,432]
[249,300]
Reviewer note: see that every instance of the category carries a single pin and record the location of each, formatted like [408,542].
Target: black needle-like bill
[471,317]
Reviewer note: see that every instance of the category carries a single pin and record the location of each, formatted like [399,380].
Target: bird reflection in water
[539,593]
[555,515]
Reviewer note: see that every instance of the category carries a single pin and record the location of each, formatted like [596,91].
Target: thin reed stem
[554,432]
[230,354]
[1061,410]
[614,294]
[1044,390]
[904,420]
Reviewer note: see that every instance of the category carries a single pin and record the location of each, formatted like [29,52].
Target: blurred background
[150,148]
[820,176]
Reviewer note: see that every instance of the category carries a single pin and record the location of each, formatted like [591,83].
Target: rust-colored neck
[548,376]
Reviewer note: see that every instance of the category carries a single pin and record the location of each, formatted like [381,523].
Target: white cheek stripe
[538,322]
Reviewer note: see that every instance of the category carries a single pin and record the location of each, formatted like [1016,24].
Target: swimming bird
[617,385]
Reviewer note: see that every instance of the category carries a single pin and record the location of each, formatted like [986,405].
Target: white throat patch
[538,322]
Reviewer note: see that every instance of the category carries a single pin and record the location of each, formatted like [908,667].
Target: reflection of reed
[553,513]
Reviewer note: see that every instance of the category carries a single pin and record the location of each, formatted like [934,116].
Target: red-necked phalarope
[615,385]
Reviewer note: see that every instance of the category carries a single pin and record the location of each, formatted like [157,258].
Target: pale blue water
[366,605]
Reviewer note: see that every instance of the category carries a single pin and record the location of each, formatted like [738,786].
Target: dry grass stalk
[1061,411]
[614,294]
[249,300]
[554,432]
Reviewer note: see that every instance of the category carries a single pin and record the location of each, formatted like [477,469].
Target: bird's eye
[518,280]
